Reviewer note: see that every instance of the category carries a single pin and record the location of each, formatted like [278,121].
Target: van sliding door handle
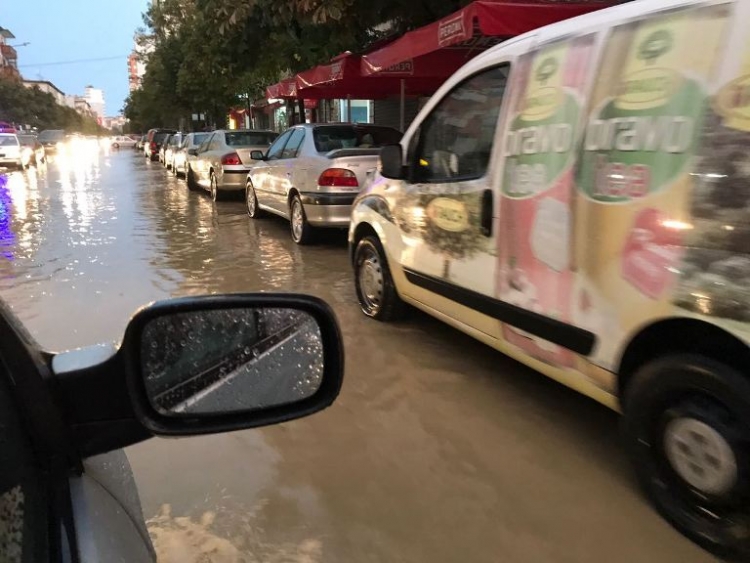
[486,217]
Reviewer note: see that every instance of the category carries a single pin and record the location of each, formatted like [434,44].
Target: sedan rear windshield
[159,137]
[8,141]
[353,136]
[198,138]
[250,138]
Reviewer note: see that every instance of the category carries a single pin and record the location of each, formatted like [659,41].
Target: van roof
[589,21]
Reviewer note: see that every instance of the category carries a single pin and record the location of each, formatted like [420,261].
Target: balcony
[9,54]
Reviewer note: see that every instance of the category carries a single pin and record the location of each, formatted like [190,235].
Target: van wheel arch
[362,230]
[681,335]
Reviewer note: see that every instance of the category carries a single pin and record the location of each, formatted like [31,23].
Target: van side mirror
[220,363]
[392,162]
[257,155]
[193,152]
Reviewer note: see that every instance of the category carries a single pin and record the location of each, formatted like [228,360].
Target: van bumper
[328,210]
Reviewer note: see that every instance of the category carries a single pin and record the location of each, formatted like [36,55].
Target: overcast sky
[63,31]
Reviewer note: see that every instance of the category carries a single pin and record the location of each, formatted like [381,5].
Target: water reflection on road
[438,449]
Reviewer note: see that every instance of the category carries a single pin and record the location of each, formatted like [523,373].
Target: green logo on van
[547,70]
[655,45]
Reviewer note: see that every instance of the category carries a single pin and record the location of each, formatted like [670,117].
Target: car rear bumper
[233,180]
[328,210]
[15,161]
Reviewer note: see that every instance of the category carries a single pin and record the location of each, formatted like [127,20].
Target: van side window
[455,140]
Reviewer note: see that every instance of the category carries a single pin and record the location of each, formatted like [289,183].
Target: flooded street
[439,449]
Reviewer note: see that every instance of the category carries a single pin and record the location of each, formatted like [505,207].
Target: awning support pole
[403,104]
[348,108]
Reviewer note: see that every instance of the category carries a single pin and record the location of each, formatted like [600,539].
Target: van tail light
[231,159]
[338,177]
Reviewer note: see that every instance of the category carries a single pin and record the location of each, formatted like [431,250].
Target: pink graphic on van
[652,252]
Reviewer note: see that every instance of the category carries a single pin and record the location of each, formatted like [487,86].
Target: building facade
[95,99]
[49,88]
[8,56]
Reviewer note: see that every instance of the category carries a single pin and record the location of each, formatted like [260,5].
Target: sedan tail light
[338,177]
[231,159]
[153,146]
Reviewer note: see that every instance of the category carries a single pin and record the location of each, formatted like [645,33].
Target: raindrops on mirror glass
[231,360]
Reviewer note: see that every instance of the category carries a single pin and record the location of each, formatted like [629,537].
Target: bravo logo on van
[651,86]
[448,214]
[733,100]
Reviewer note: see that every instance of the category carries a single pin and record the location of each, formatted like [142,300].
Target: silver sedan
[223,160]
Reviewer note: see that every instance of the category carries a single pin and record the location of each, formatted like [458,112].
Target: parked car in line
[140,142]
[122,142]
[540,210]
[67,488]
[180,157]
[11,154]
[168,149]
[52,140]
[223,160]
[32,151]
[154,140]
[312,174]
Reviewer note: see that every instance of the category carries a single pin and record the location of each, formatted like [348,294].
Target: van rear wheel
[687,426]
[376,291]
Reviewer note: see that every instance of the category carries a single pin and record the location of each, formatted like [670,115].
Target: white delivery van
[579,199]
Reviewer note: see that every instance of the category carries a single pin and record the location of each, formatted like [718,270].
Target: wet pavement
[439,449]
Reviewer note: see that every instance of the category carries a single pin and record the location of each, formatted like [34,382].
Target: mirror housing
[257,155]
[392,162]
[193,152]
[160,422]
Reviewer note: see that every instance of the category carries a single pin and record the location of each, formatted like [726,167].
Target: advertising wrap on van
[634,178]
[539,147]
[715,273]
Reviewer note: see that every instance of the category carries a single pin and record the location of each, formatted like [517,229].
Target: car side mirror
[219,363]
[392,162]
[257,155]
[193,152]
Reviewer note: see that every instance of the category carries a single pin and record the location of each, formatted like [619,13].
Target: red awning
[286,89]
[460,36]
[341,78]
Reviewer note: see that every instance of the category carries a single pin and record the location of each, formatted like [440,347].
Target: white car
[313,172]
[223,160]
[180,157]
[122,142]
[11,154]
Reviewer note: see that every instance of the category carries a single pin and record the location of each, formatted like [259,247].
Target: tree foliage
[31,106]
[209,55]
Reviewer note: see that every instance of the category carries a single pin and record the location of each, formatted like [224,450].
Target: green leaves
[211,54]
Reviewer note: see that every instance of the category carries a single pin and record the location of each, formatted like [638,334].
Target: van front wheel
[376,291]
[687,426]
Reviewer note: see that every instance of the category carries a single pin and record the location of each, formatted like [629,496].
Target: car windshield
[51,136]
[250,138]
[27,140]
[330,138]
[8,140]
[160,137]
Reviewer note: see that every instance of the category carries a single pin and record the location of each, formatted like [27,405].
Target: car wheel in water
[302,231]
[376,291]
[115,146]
[687,426]
[251,200]
[191,182]
[216,193]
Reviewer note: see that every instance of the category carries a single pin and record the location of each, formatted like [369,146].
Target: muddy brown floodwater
[438,449]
